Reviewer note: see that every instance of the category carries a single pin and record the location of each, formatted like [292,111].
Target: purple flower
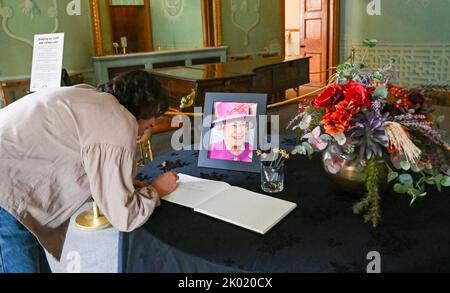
[368,134]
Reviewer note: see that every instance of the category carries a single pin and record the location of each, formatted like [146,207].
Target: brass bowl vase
[350,178]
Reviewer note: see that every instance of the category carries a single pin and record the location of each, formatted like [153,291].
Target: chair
[163,125]
[14,90]
[65,78]
[145,150]
[2,99]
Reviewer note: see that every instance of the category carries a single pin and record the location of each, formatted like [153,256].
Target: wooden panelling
[314,35]
[209,60]
[169,64]
[315,65]
[313,29]
[115,71]
[313,5]
[132,22]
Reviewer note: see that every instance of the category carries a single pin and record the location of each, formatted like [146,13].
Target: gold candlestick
[92,220]
[353,56]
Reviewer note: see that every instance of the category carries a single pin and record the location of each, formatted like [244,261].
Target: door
[314,36]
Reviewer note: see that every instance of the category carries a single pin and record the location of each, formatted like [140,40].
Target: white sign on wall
[47,61]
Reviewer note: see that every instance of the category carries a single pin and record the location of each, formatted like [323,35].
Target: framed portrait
[230,132]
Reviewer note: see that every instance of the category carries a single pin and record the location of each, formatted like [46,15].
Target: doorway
[312,29]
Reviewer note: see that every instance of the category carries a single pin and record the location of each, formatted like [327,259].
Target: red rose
[351,108]
[336,120]
[329,97]
[357,94]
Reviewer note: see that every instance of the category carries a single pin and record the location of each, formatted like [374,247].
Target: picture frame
[231,130]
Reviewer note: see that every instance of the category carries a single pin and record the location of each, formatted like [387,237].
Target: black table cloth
[321,235]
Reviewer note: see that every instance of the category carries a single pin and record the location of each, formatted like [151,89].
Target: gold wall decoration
[218,23]
[96,27]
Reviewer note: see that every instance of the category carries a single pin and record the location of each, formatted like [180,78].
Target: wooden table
[273,75]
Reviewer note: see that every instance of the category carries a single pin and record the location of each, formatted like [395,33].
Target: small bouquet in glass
[272,170]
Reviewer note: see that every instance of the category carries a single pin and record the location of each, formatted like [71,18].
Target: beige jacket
[60,147]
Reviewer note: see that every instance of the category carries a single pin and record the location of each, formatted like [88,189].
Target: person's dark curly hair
[139,92]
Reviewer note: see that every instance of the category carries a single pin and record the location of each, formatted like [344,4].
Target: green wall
[264,37]
[415,33]
[177,27]
[401,21]
[185,31]
[16,56]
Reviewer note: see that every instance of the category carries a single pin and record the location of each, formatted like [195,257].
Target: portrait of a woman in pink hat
[234,127]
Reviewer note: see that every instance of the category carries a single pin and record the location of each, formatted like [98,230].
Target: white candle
[123,42]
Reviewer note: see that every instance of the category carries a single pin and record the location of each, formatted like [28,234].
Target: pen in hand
[164,165]
[166,169]
[167,182]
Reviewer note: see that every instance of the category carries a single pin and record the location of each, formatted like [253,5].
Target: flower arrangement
[361,115]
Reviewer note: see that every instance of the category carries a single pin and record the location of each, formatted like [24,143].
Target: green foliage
[438,180]
[378,77]
[406,186]
[304,149]
[406,179]
[316,115]
[348,71]
[392,176]
[414,184]
[369,206]
[368,43]
[381,92]
[326,137]
[405,165]
[340,138]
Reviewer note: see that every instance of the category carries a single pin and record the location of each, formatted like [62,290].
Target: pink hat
[228,111]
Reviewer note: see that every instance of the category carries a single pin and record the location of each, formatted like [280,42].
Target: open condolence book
[234,205]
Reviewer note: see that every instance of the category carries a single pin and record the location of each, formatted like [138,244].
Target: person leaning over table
[60,147]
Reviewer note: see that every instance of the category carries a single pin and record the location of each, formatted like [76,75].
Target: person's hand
[166,183]
[139,184]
